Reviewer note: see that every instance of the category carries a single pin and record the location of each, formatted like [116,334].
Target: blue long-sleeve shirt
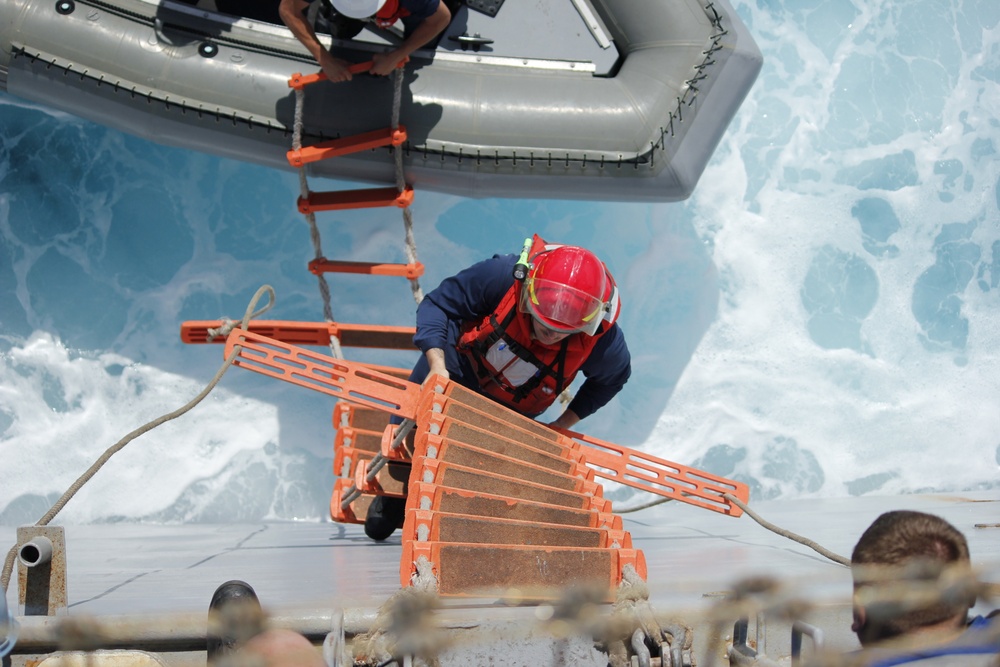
[476,292]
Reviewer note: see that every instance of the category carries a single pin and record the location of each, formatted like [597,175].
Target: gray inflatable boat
[564,99]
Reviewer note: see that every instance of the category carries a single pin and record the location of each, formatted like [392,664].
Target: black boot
[234,617]
[384,516]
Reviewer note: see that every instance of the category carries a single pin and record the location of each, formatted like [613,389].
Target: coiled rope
[8,565]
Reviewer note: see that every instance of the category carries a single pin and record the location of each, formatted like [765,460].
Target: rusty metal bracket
[41,570]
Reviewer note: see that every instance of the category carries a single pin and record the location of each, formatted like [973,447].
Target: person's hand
[336,69]
[436,365]
[430,376]
[567,420]
[442,371]
[384,63]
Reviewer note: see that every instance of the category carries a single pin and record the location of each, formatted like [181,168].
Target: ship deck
[695,559]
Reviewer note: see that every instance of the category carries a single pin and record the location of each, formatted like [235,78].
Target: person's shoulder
[494,273]
[507,258]
[613,336]
[499,270]
[420,7]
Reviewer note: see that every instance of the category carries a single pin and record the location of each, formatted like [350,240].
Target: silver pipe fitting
[36,552]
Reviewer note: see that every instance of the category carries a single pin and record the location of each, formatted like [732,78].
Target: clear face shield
[561,308]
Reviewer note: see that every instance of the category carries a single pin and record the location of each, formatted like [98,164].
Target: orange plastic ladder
[348,199]
[358,383]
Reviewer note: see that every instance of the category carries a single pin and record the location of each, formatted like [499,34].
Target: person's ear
[859,620]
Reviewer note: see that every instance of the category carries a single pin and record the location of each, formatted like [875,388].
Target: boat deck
[694,558]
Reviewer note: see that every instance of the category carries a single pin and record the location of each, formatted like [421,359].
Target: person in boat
[518,329]
[423,21]
[898,552]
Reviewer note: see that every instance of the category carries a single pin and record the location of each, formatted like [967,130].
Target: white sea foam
[820,318]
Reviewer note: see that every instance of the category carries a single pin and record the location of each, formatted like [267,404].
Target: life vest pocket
[513,369]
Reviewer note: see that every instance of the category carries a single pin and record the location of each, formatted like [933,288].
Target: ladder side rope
[8,565]
[324,286]
[411,244]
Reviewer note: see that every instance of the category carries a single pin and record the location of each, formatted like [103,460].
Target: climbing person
[900,551]
[518,329]
[423,21]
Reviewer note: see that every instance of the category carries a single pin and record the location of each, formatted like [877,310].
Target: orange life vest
[390,12]
[517,371]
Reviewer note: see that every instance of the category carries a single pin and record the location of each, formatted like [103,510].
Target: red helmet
[567,289]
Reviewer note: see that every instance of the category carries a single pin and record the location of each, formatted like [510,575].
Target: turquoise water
[821,318]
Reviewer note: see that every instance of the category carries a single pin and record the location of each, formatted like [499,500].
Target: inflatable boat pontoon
[563,99]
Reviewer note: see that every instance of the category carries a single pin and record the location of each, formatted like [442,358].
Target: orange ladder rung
[323,265]
[350,199]
[347,145]
[527,572]
[315,333]
[299,80]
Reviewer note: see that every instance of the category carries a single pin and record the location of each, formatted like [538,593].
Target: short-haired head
[905,549]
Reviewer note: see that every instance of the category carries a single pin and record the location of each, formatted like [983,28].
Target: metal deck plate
[693,558]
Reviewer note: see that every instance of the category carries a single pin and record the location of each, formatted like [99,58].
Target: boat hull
[479,124]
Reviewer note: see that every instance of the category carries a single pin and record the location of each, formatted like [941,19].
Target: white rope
[777,530]
[633,608]
[228,325]
[423,579]
[223,331]
[324,286]
[7,568]
[411,244]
